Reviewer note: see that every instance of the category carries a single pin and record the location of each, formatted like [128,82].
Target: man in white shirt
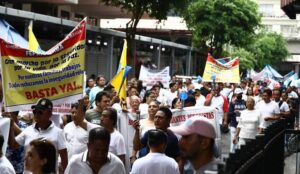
[76,132]
[196,145]
[109,120]
[156,161]
[269,109]
[172,93]
[292,94]
[43,128]
[5,165]
[218,101]
[283,106]
[97,159]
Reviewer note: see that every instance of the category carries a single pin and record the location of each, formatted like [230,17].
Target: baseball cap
[43,103]
[238,91]
[195,125]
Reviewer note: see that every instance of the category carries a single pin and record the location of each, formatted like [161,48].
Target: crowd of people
[102,134]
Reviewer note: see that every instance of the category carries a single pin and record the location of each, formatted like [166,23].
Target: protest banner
[57,74]
[4,130]
[151,77]
[228,72]
[181,115]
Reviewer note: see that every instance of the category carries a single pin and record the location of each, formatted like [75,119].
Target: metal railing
[264,154]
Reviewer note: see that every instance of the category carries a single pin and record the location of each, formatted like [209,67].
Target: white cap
[238,91]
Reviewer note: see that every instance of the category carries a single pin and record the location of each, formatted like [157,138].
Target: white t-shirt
[155,163]
[267,110]
[284,106]
[249,123]
[170,96]
[77,137]
[52,133]
[5,166]
[200,101]
[117,143]
[79,164]
[225,92]
[218,103]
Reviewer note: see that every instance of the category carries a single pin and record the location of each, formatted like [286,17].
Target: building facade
[274,19]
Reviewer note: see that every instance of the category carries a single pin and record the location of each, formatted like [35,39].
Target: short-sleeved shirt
[267,110]
[221,104]
[117,143]
[77,137]
[93,116]
[52,133]
[156,163]
[79,164]
[172,149]
[284,107]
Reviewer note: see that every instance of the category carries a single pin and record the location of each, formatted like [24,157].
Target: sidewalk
[290,164]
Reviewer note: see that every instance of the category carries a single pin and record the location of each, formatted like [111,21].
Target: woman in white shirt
[248,125]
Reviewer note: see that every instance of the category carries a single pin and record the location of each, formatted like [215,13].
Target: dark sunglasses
[37,112]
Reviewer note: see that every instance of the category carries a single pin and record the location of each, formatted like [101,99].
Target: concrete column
[172,68]
[297,69]
[158,57]
[110,52]
[189,61]
[26,35]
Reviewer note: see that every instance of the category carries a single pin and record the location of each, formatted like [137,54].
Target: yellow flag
[123,60]
[33,43]
[118,83]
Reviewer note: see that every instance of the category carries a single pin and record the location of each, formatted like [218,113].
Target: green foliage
[220,22]
[247,59]
[269,48]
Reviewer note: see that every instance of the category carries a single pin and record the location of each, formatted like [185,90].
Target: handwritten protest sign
[151,77]
[228,72]
[57,74]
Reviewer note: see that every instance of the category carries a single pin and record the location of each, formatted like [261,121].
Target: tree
[247,59]
[137,8]
[220,22]
[269,48]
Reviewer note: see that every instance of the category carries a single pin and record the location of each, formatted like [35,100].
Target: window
[268,28]
[288,29]
[266,10]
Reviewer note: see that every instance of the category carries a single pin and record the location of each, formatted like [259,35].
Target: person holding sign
[216,100]
[43,128]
